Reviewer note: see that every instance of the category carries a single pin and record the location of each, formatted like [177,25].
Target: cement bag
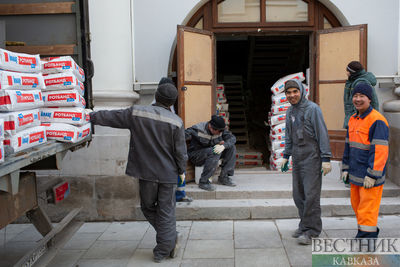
[63,81]
[21,81]
[1,130]
[19,61]
[278,129]
[220,88]
[65,98]
[2,155]
[276,163]
[278,119]
[277,153]
[278,145]
[17,121]
[66,132]
[279,99]
[307,89]
[222,107]
[279,137]
[25,139]
[62,64]
[279,86]
[74,116]
[14,100]
[280,109]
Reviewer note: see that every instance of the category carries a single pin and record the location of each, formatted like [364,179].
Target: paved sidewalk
[206,243]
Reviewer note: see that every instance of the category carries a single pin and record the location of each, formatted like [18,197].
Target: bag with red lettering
[74,116]
[15,100]
[1,130]
[17,121]
[66,132]
[278,119]
[1,152]
[25,139]
[61,64]
[280,109]
[279,86]
[21,81]
[19,61]
[63,81]
[65,98]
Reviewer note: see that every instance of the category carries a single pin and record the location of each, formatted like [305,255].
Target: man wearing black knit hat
[157,155]
[210,141]
[356,74]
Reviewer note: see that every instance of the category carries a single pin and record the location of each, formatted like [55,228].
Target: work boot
[175,250]
[297,233]
[226,181]
[207,186]
[304,239]
[185,199]
[158,258]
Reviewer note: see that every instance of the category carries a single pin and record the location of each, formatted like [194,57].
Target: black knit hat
[363,88]
[166,94]
[166,80]
[354,67]
[218,123]
[291,84]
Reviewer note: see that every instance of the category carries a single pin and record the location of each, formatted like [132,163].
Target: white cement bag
[15,100]
[17,121]
[1,130]
[63,81]
[65,98]
[21,81]
[74,116]
[222,107]
[61,64]
[278,119]
[67,133]
[278,153]
[278,145]
[25,139]
[279,137]
[279,99]
[278,129]
[279,86]
[307,89]
[2,154]
[19,61]
[220,88]
[280,109]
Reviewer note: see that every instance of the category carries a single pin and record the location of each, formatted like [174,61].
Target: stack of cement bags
[222,105]
[277,119]
[64,115]
[20,99]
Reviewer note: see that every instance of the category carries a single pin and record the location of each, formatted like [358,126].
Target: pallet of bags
[66,132]
[25,139]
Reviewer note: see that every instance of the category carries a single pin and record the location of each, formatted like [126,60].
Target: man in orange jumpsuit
[364,160]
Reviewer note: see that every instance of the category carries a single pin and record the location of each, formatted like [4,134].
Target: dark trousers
[210,160]
[157,201]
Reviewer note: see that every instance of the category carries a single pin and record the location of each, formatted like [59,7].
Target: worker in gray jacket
[307,141]
[209,142]
[157,155]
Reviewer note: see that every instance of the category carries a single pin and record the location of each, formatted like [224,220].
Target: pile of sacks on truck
[277,118]
[40,99]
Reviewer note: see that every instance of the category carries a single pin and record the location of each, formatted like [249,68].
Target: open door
[336,47]
[196,75]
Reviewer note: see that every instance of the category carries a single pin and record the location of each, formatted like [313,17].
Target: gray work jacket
[157,148]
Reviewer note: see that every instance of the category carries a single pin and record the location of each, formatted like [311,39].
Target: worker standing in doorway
[210,141]
[307,141]
[364,160]
[157,155]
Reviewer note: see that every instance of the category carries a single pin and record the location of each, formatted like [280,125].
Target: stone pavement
[206,243]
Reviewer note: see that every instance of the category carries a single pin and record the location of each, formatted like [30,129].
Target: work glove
[182,178]
[285,165]
[326,168]
[368,182]
[218,149]
[345,177]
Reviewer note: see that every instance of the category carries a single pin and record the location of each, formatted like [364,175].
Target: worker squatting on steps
[307,141]
[157,155]
[209,142]
[364,160]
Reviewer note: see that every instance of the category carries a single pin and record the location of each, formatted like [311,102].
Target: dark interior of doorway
[248,66]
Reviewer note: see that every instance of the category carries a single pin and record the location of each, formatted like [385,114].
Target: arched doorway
[259,41]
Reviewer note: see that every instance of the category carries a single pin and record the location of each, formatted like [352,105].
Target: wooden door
[336,47]
[196,75]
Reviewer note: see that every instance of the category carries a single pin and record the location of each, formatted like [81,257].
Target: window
[286,10]
[199,24]
[239,11]
[327,25]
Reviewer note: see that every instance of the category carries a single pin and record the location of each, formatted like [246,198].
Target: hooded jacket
[314,125]
[354,79]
